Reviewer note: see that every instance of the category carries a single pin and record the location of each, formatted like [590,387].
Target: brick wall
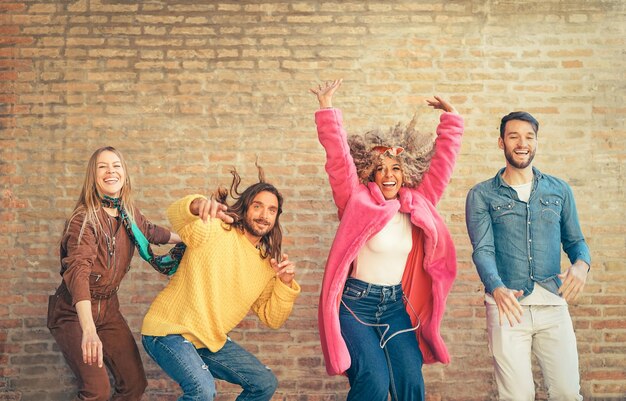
[187,89]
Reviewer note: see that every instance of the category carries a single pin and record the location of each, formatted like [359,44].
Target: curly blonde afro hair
[414,160]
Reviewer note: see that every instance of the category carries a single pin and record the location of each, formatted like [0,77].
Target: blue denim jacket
[516,243]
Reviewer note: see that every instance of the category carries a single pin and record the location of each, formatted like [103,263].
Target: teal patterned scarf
[164,264]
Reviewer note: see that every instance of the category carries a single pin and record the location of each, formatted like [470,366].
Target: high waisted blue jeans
[386,359]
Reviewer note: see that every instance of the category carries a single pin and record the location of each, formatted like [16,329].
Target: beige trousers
[547,332]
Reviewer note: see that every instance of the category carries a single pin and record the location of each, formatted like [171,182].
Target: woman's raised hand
[325,91]
[441,104]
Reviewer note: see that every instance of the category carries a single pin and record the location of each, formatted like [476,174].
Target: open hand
[506,300]
[325,92]
[441,104]
[574,279]
[92,348]
[284,270]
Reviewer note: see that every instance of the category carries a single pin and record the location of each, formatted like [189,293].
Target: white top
[382,259]
[523,191]
[539,296]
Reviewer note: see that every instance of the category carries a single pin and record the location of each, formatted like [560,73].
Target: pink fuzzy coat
[363,212]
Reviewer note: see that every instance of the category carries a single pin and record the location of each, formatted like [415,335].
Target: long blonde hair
[89,201]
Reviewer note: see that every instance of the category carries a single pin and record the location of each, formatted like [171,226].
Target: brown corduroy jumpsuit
[92,270]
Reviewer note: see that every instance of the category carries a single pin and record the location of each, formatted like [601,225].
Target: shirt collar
[499,182]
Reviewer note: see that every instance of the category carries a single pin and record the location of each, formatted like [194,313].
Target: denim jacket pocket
[353,293]
[502,211]
[551,209]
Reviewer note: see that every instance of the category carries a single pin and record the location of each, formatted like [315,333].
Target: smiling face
[110,174]
[388,177]
[261,215]
[519,143]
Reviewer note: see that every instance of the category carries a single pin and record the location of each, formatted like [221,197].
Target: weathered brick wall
[187,89]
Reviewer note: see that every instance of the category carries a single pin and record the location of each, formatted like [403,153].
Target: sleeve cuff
[492,285]
[179,214]
[288,293]
[80,296]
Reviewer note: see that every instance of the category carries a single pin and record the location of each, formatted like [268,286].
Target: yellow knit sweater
[220,278]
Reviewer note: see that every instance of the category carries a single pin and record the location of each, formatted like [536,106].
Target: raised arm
[447,148]
[339,164]
[325,92]
[189,217]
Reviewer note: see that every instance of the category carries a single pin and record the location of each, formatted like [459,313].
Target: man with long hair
[233,263]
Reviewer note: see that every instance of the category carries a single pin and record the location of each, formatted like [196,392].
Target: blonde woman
[96,250]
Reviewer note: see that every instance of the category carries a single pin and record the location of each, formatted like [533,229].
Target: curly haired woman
[392,263]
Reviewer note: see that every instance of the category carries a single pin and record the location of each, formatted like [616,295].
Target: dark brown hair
[519,115]
[270,242]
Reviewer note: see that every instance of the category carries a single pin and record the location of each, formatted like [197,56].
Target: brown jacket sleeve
[77,258]
[154,234]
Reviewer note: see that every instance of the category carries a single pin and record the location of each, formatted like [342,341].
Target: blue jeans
[385,355]
[195,370]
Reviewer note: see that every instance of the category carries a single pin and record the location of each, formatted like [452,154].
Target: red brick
[189,90]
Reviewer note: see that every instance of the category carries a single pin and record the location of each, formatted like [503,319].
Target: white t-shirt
[523,191]
[383,258]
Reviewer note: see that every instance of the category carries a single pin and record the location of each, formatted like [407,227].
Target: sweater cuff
[288,293]
[179,214]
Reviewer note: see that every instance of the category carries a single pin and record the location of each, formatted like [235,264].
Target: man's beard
[510,157]
[248,225]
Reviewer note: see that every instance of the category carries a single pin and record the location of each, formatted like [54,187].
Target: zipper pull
[109,245]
